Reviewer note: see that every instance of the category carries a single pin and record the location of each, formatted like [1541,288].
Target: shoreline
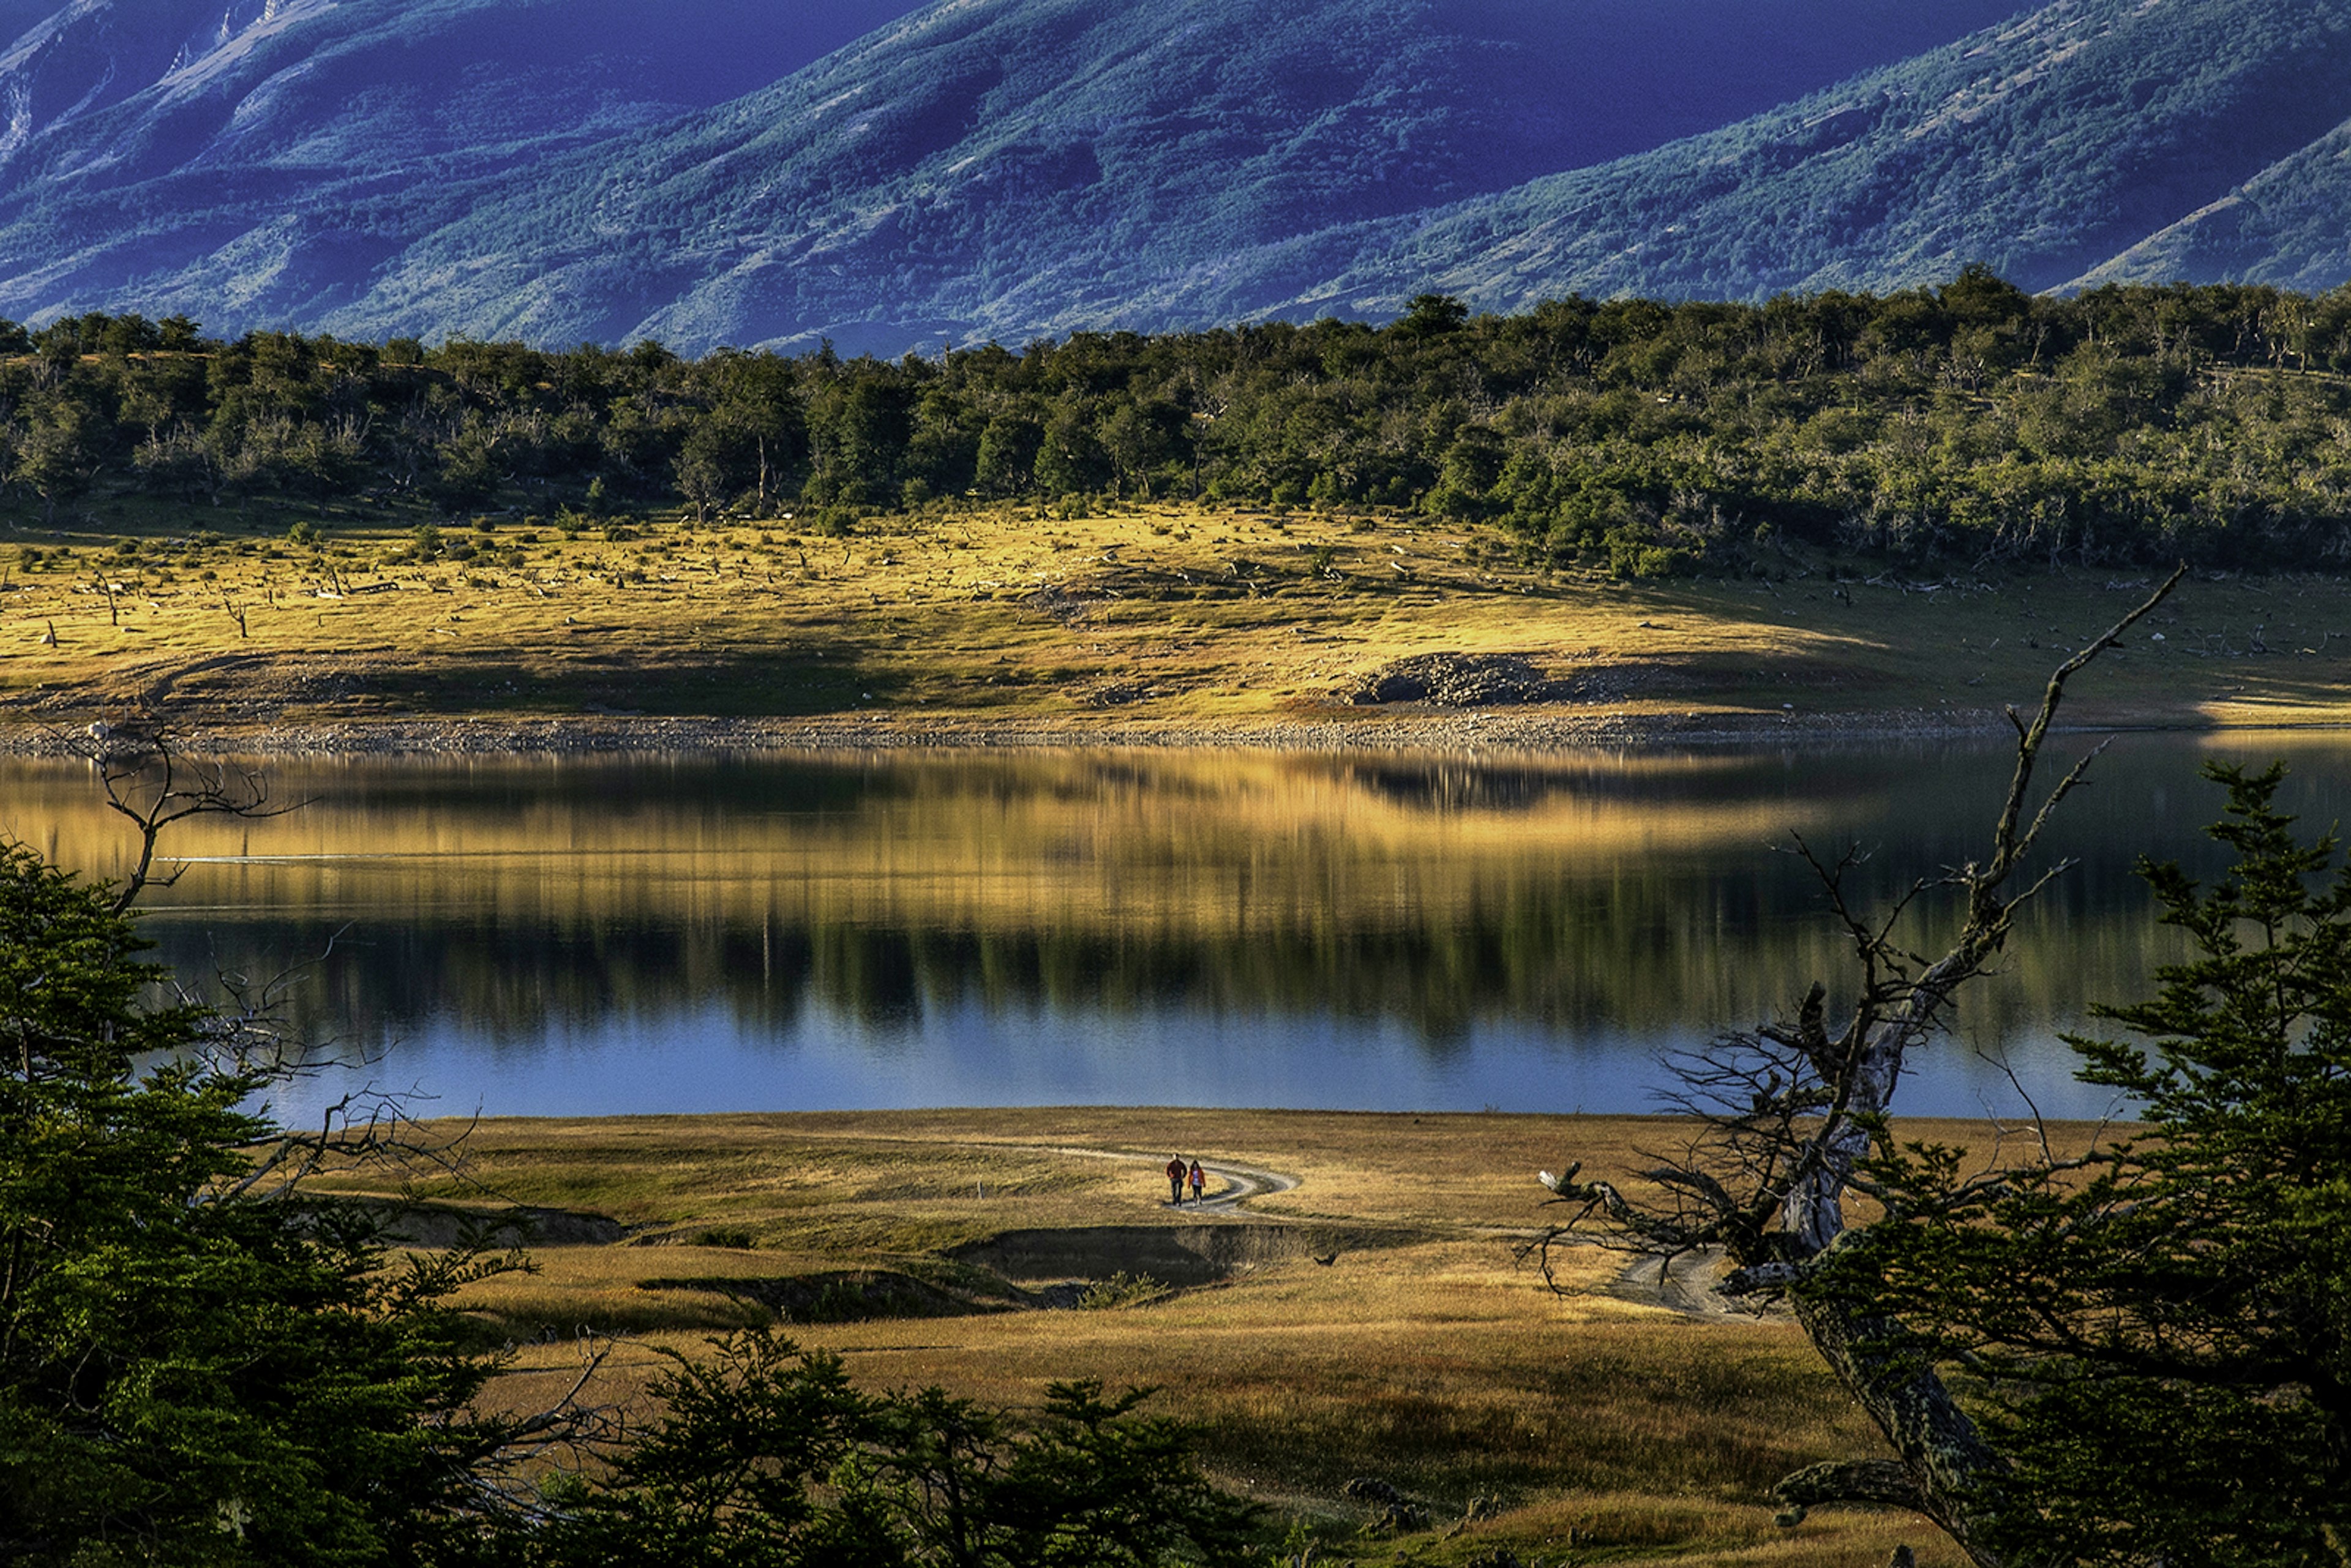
[1482,730]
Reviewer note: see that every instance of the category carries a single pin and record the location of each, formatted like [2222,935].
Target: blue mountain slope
[607,169]
[2289,225]
[2043,147]
[1014,165]
[16,15]
[206,156]
[1009,167]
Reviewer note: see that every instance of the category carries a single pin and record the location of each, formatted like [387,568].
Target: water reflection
[1373,932]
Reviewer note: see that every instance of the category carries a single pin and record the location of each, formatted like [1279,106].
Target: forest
[1969,422]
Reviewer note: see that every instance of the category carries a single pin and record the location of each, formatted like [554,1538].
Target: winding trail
[1241,1182]
[1687,1289]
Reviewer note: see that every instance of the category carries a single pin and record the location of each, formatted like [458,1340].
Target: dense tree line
[1970,421]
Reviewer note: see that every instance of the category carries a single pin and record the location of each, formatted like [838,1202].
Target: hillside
[1047,165]
[251,163]
[1705,517]
[1032,165]
[2045,148]
[1007,169]
[2290,226]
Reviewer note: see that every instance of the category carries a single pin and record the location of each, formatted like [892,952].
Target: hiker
[1175,1178]
[1200,1180]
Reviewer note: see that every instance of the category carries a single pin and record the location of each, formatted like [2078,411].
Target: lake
[1377,932]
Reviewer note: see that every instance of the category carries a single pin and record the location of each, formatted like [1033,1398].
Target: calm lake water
[539,936]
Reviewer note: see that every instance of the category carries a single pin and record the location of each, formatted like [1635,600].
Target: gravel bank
[1517,730]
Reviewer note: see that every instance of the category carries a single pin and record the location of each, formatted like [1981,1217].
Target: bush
[1121,1290]
[197,1364]
[764,1454]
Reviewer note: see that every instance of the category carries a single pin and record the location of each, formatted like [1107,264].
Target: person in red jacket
[1175,1178]
[1200,1180]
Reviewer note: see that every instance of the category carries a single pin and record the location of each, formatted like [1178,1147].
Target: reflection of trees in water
[1652,951]
[1582,895]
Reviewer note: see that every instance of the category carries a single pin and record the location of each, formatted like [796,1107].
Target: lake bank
[1371,1317]
[1447,733]
[1151,626]
[1493,731]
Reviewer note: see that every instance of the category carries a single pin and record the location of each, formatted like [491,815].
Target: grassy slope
[1159,615]
[1424,1354]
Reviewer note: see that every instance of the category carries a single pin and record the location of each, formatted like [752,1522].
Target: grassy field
[1150,614]
[1607,1427]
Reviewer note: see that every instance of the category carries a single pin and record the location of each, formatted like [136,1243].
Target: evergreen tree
[2162,1328]
[197,1364]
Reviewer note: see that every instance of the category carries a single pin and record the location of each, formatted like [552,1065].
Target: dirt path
[1685,1289]
[1241,1183]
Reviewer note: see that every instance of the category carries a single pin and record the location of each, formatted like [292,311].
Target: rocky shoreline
[1519,729]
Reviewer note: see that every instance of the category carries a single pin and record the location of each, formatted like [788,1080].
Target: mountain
[1006,166]
[705,172]
[2289,225]
[2050,147]
[207,155]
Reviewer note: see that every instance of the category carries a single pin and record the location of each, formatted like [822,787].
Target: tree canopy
[2133,1354]
[1972,419]
[2161,1330]
[766,1455]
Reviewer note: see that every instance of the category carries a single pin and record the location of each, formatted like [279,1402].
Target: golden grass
[978,1172]
[1425,1354]
[1163,614]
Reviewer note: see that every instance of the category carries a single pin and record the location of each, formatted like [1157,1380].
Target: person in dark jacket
[1175,1178]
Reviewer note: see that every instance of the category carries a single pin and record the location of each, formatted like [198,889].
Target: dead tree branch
[1786,1115]
[150,781]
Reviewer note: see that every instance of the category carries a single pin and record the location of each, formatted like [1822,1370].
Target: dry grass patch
[1160,613]
[903,1183]
[1441,1368]
[1434,1360]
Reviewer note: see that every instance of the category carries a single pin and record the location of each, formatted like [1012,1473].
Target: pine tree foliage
[202,1364]
[198,1364]
[2160,1331]
[766,1457]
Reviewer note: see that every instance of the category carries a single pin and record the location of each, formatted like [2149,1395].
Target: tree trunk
[1945,1461]
[1946,1466]
[1792,1135]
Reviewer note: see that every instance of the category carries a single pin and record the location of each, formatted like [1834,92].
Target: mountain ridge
[184,154]
[1242,189]
[1010,169]
[1857,187]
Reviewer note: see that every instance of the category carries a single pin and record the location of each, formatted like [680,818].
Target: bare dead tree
[244,1033]
[1784,1120]
[150,781]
